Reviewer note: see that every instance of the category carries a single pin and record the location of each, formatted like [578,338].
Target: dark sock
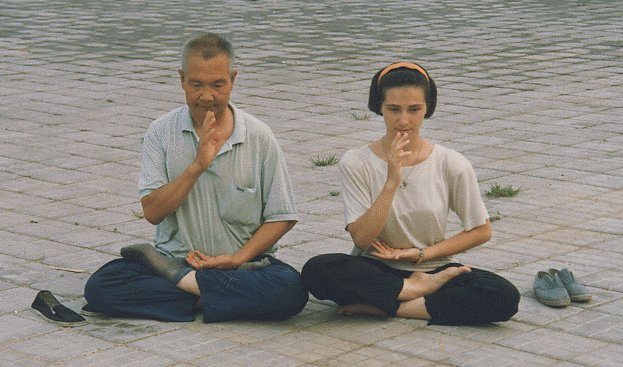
[171,268]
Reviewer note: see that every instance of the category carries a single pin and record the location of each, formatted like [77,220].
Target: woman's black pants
[477,297]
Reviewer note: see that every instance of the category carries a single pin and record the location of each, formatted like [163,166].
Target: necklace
[403,184]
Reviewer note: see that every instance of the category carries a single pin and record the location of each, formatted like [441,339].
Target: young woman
[397,194]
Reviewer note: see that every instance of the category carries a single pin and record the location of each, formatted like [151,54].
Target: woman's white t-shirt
[419,214]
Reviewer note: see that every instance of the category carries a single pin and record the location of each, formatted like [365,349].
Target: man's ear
[232,75]
[181,72]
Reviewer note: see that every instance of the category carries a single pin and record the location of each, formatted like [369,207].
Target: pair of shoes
[577,292]
[557,288]
[87,310]
[52,310]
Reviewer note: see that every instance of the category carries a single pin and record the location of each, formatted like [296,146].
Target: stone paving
[530,91]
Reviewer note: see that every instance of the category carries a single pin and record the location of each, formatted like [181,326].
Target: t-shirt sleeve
[153,168]
[356,193]
[465,198]
[278,197]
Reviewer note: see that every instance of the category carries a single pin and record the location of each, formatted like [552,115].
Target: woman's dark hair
[402,75]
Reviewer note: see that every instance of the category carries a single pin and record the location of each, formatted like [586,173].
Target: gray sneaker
[577,292]
[549,290]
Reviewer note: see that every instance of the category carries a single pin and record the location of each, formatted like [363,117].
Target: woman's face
[403,110]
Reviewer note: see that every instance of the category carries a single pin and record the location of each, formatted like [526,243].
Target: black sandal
[52,310]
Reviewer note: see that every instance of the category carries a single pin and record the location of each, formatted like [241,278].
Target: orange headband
[408,65]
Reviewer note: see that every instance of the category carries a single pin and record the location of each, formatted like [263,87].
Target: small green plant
[495,217]
[334,193]
[359,117]
[498,191]
[321,162]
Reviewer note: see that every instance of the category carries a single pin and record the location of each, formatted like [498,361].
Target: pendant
[403,185]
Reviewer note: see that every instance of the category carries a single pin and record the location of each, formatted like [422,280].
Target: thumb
[215,137]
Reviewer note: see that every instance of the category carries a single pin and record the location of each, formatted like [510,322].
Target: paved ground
[530,92]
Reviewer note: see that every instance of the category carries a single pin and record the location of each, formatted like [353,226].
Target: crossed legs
[411,296]
[145,279]
[451,295]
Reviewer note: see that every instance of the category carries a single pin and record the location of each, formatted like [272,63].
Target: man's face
[207,84]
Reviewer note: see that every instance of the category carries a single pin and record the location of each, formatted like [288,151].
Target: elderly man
[214,181]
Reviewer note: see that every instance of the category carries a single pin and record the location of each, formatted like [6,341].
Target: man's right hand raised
[209,141]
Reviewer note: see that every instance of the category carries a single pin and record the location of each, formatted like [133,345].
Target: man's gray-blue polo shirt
[246,185]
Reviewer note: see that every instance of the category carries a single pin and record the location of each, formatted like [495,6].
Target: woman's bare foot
[421,284]
[360,309]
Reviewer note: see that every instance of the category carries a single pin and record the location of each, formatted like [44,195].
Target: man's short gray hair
[208,45]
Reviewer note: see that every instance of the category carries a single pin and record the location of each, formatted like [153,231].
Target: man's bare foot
[421,284]
[360,309]
[167,267]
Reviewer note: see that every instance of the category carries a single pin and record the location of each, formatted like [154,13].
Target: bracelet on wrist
[420,256]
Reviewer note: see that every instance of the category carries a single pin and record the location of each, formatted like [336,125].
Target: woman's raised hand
[395,157]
